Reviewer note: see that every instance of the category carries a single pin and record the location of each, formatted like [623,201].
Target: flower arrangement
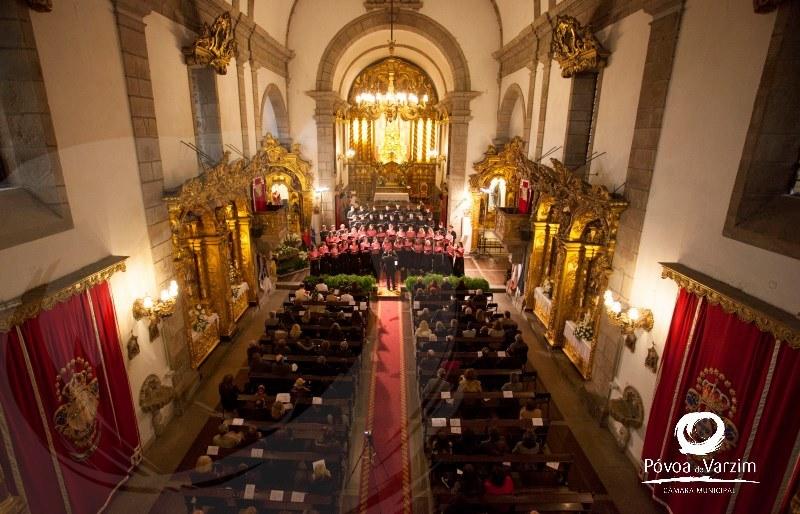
[585,329]
[237,290]
[547,287]
[201,318]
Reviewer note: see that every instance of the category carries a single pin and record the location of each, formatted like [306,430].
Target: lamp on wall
[627,319]
[157,309]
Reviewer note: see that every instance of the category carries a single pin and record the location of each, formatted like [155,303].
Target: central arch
[379,20]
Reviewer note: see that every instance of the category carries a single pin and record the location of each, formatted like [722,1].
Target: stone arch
[405,19]
[272,94]
[512,96]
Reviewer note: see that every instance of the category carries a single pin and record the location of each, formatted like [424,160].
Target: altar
[390,196]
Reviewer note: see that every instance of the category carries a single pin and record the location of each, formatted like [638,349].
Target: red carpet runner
[385,476]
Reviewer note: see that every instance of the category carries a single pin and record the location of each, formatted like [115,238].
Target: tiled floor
[617,474]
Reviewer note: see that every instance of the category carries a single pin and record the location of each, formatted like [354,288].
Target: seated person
[321,479]
[425,315]
[518,350]
[227,438]
[295,332]
[261,396]
[346,296]
[271,321]
[322,287]
[469,383]
[497,330]
[440,330]
[513,384]
[507,322]
[441,444]
[453,328]
[278,411]
[423,330]
[499,482]
[530,411]
[299,389]
[527,445]
[485,361]
[495,445]
[305,345]
[301,295]
[469,332]
[203,474]
[436,384]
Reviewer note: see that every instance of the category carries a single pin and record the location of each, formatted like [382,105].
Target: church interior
[399,256]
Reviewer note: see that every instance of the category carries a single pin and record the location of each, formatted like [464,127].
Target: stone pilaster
[256,100]
[325,116]
[542,109]
[242,104]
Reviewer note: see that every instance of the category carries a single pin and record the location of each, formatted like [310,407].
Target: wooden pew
[333,386]
[556,502]
[544,469]
[261,499]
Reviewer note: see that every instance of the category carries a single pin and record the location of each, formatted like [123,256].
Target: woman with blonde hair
[423,330]
[497,329]
[295,332]
[469,383]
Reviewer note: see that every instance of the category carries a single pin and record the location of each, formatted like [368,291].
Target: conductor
[390,267]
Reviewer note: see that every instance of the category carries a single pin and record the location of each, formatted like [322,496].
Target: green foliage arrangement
[289,256]
[470,282]
[364,282]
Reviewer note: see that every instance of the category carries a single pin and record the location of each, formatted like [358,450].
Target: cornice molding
[747,308]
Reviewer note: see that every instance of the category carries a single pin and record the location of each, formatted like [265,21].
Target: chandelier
[390,101]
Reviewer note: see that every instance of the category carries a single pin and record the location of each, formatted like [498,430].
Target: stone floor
[558,375]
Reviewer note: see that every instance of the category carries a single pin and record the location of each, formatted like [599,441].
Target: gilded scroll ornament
[767,318]
[216,45]
[47,296]
[575,47]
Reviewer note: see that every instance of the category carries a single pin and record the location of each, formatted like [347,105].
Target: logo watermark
[690,445]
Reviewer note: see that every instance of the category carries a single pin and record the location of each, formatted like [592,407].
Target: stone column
[458,108]
[324,114]
[242,104]
[256,100]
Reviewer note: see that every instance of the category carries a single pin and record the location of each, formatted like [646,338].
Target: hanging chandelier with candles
[377,93]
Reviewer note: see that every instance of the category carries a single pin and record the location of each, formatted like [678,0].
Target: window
[764,210]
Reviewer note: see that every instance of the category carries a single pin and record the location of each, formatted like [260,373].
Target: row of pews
[274,469]
[471,437]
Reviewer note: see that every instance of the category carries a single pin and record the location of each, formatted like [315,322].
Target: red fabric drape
[683,320]
[729,367]
[259,194]
[778,430]
[97,454]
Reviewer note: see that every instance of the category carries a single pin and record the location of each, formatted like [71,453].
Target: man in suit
[390,267]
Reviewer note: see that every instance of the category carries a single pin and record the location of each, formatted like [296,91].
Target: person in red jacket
[499,482]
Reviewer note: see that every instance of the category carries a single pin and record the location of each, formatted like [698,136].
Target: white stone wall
[86,92]
[170,80]
[619,97]
[705,123]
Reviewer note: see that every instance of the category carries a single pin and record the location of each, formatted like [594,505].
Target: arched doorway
[274,116]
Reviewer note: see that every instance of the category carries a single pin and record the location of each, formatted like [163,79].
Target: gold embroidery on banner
[78,392]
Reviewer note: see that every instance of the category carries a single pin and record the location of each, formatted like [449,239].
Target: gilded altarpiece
[574,227]
[505,167]
[210,219]
[394,149]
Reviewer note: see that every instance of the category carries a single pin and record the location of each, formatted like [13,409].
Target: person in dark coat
[228,394]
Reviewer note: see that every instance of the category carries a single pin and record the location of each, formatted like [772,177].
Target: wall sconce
[627,319]
[350,153]
[156,310]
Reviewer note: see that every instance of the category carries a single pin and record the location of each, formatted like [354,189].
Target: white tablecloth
[390,197]
[579,346]
[542,304]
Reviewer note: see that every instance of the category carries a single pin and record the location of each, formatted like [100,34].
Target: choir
[420,245]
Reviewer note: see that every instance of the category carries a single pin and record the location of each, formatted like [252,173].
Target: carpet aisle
[386,474]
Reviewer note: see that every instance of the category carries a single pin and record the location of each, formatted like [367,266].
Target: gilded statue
[575,47]
[78,394]
[216,45]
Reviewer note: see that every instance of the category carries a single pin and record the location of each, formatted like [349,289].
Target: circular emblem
[712,393]
[75,419]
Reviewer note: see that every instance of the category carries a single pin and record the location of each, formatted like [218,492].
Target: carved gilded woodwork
[770,319]
[210,219]
[47,296]
[511,164]
[574,227]
[215,46]
[575,47]
[765,6]
[401,75]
